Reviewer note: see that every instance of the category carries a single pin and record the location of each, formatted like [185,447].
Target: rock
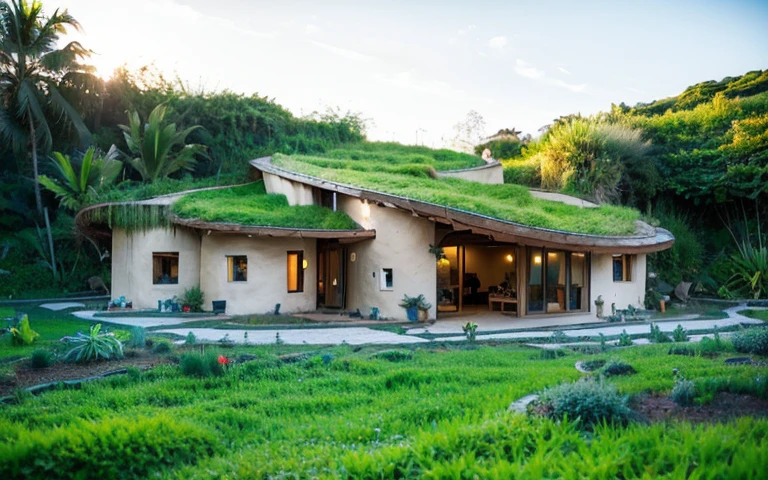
[738,361]
[521,405]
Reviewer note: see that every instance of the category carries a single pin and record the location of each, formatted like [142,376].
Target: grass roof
[251,205]
[417,181]
[394,155]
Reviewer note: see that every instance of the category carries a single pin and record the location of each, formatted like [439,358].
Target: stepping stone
[738,361]
[520,406]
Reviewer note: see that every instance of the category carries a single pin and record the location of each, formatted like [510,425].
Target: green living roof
[251,205]
[387,169]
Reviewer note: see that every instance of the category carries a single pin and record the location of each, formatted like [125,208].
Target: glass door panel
[555,281]
[577,277]
[535,280]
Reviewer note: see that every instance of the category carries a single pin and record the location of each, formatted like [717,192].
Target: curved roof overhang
[82,222]
[646,239]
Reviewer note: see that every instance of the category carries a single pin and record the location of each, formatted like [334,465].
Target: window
[165,268]
[387,279]
[237,268]
[622,268]
[295,271]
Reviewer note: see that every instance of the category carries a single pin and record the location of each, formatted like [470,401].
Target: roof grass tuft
[251,205]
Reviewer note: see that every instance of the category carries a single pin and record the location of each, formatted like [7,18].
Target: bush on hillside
[752,340]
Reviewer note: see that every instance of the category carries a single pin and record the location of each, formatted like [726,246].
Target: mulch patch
[26,376]
[725,406]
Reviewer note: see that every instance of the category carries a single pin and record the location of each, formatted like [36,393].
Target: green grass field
[758,314]
[50,325]
[344,412]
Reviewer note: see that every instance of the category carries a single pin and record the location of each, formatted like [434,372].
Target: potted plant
[415,307]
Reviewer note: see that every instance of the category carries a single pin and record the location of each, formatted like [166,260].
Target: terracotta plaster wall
[402,244]
[267,282]
[132,264]
[622,294]
[296,193]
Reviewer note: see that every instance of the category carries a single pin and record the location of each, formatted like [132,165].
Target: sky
[416,68]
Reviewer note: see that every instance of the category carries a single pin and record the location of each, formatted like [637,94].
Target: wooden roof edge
[236,228]
[651,240]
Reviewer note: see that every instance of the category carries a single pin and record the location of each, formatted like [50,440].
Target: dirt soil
[26,376]
[725,406]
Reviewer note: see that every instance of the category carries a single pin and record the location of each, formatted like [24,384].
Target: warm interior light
[537,259]
[366,210]
[304,264]
[443,262]
[510,258]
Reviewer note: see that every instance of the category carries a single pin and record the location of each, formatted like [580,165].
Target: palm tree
[74,182]
[156,145]
[30,69]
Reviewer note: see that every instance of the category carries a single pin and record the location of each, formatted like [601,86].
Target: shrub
[201,365]
[191,339]
[682,350]
[752,340]
[588,401]
[22,334]
[551,354]
[657,336]
[624,339]
[194,297]
[109,448]
[41,359]
[618,368]
[138,338]
[95,345]
[470,329]
[162,346]
[592,365]
[394,355]
[679,334]
[683,392]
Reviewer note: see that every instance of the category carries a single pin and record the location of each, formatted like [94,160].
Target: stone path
[363,335]
[62,305]
[314,336]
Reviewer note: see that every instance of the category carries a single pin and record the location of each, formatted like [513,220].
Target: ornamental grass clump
[752,340]
[657,336]
[680,334]
[683,392]
[588,401]
[201,365]
[41,359]
[94,346]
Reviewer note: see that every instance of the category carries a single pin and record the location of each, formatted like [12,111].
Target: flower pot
[186,308]
[423,315]
[413,313]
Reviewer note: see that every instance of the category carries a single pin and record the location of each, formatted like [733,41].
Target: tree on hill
[31,68]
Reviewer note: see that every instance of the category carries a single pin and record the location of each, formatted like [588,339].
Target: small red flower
[224,360]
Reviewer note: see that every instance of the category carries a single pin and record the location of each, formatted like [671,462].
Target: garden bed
[724,407]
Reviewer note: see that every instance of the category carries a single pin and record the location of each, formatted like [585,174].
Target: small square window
[622,268]
[387,279]
[295,272]
[165,268]
[237,268]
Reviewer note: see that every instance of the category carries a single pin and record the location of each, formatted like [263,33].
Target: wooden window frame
[299,270]
[160,255]
[627,268]
[230,268]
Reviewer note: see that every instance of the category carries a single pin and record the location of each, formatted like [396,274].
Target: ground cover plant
[513,203]
[345,412]
[251,205]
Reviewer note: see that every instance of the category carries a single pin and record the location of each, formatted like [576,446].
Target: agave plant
[75,181]
[750,271]
[159,149]
[93,346]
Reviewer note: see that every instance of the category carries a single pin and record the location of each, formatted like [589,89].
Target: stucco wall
[296,193]
[492,173]
[622,294]
[132,264]
[402,243]
[267,273]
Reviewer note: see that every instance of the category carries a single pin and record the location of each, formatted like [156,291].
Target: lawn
[513,203]
[51,326]
[758,314]
[251,205]
[347,412]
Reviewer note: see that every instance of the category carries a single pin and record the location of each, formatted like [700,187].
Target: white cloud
[525,69]
[343,52]
[311,29]
[498,42]
[482,54]
[634,90]
[439,88]
[564,70]
[465,31]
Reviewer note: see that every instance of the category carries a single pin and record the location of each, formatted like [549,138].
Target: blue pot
[413,313]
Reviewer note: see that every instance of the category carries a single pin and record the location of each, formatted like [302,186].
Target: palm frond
[67,109]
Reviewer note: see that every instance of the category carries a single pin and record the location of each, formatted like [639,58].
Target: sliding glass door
[556,281]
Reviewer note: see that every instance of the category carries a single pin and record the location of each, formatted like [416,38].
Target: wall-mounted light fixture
[304,264]
[537,259]
[509,258]
[365,209]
